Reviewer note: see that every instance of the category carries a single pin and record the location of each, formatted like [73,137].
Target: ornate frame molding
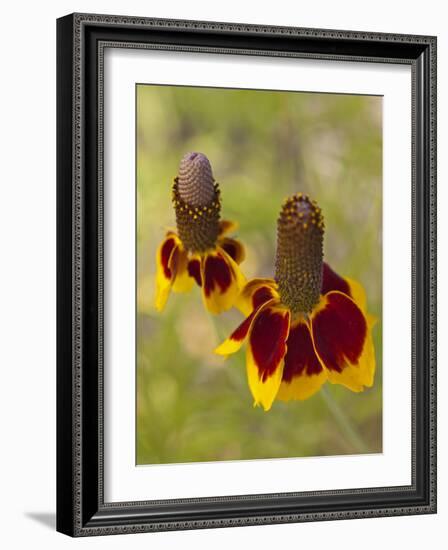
[81,42]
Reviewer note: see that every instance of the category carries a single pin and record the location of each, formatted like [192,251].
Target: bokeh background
[191,404]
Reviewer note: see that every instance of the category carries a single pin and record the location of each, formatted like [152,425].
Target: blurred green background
[191,404]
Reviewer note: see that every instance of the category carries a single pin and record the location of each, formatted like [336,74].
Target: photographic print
[259,274]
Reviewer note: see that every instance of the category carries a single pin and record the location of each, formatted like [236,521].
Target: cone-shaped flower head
[298,264]
[197,203]
[196,181]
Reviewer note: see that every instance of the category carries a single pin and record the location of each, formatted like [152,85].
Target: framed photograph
[246,274]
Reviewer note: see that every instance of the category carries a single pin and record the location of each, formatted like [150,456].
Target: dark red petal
[241,332]
[261,296]
[332,281]
[174,261]
[339,332]
[300,358]
[165,254]
[216,274]
[267,340]
[231,248]
[258,291]
[194,270]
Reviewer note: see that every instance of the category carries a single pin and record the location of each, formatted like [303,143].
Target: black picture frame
[81,510]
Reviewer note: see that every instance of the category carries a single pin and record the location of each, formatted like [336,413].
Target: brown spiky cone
[299,259]
[196,200]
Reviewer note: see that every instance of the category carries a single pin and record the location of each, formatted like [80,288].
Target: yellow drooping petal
[228,347]
[303,374]
[234,248]
[357,377]
[263,391]
[165,269]
[234,342]
[163,289]
[254,293]
[182,281]
[299,389]
[332,281]
[222,281]
[266,350]
[359,296]
[342,337]
[357,293]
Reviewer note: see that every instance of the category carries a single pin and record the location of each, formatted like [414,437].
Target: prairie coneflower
[200,250]
[307,326]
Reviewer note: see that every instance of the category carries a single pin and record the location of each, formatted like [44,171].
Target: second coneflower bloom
[200,250]
[308,325]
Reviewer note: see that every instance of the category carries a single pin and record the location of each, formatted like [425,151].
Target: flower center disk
[299,259]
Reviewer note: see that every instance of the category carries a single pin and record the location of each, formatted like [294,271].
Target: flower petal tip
[266,407]
[372,320]
[224,349]
[352,386]
[162,293]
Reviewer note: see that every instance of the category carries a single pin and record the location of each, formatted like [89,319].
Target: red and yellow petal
[234,249]
[303,374]
[342,336]
[194,269]
[265,353]
[166,264]
[234,342]
[332,281]
[221,281]
[358,294]
[255,293]
[183,282]
[227,226]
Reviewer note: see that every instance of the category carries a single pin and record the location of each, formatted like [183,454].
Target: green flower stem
[344,422]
